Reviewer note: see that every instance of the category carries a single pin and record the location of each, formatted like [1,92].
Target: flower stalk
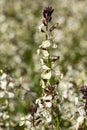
[84,92]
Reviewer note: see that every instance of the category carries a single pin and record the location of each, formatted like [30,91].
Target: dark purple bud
[53,27]
[47,13]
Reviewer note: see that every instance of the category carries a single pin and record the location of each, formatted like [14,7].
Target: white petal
[42,61]
[45,44]
[41,26]
[49,119]
[38,51]
[22,123]
[4,75]
[42,84]
[80,119]
[76,100]
[45,53]
[48,104]
[11,84]
[45,67]
[10,94]
[47,97]
[3,85]
[46,75]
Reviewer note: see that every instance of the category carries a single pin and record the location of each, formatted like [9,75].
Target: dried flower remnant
[33,110]
[84,92]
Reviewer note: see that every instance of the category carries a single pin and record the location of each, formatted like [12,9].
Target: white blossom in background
[6,95]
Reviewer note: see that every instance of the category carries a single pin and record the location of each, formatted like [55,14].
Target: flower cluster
[6,84]
[59,100]
[6,94]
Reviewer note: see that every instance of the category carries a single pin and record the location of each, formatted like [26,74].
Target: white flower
[2,94]
[46,75]
[76,100]
[81,111]
[4,76]
[5,116]
[47,116]
[10,94]
[11,84]
[3,84]
[42,83]
[41,26]
[38,51]
[79,122]
[80,119]
[65,94]
[45,53]
[22,123]
[45,44]
[48,104]
[45,67]
[54,46]
[49,97]
[38,101]
[42,61]
[47,101]
[25,120]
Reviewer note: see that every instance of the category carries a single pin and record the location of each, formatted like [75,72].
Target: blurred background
[20,38]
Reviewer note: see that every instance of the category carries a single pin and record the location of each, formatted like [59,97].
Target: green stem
[47,31]
[57,123]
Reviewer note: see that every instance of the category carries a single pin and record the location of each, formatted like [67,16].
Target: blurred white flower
[25,120]
[2,94]
[11,84]
[10,94]
[5,116]
[65,94]
[73,24]
[4,76]
[3,84]
[59,35]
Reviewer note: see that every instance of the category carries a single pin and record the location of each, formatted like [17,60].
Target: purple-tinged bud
[47,13]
